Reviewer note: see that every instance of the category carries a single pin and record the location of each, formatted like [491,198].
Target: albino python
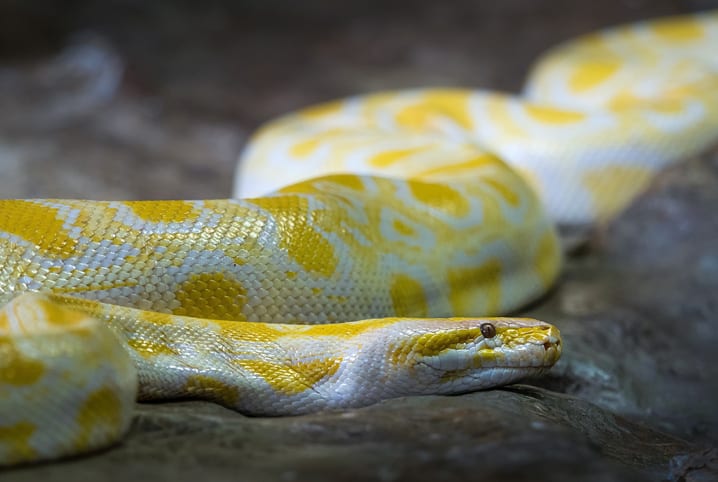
[398,212]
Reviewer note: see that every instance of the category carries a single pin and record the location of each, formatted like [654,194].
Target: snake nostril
[546,345]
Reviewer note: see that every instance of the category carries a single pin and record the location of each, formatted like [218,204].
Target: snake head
[461,354]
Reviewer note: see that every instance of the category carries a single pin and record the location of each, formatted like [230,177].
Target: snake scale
[362,224]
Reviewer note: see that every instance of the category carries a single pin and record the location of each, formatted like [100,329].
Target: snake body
[384,214]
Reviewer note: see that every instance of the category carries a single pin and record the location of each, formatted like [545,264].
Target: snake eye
[488,330]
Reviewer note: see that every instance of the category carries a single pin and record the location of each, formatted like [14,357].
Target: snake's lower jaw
[534,361]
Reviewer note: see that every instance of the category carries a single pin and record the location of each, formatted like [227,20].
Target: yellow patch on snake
[148,349]
[305,148]
[407,296]
[292,378]
[588,75]
[211,295]
[487,357]
[206,386]
[463,283]
[96,223]
[100,414]
[171,212]
[350,181]
[440,197]
[433,344]
[611,186]
[505,190]
[435,104]
[387,158]
[155,317]
[624,100]
[347,330]
[251,332]
[314,371]
[59,315]
[550,115]
[302,242]
[322,110]
[547,258]
[683,30]
[464,167]
[403,228]
[37,224]
[668,106]
[16,438]
[20,370]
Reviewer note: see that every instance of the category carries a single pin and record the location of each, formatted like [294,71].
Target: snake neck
[278,369]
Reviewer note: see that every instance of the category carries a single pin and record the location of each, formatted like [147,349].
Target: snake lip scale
[372,246]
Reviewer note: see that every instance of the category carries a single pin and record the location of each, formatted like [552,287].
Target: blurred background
[128,99]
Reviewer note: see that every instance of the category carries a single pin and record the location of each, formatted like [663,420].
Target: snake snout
[552,345]
[526,343]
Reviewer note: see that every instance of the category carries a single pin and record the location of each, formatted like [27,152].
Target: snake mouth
[538,353]
[552,347]
[540,347]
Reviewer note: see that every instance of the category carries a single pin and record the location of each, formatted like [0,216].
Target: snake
[374,247]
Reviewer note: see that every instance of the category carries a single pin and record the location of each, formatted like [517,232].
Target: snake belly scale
[370,235]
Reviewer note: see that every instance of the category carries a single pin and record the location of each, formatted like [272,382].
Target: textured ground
[155,102]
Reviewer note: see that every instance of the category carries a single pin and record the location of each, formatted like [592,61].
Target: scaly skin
[430,225]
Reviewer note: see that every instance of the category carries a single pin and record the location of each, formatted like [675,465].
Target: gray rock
[520,433]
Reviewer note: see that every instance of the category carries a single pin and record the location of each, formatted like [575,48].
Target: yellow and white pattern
[380,216]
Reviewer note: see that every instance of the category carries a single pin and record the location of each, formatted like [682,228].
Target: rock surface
[514,434]
[138,105]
